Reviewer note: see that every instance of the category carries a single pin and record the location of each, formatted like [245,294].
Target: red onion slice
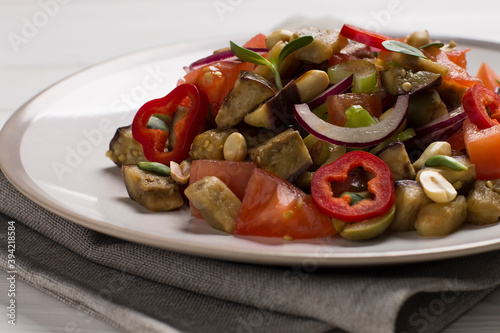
[333,90]
[226,55]
[353,137]
[453,117]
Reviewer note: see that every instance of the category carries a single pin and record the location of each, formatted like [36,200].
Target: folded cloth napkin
[138,288]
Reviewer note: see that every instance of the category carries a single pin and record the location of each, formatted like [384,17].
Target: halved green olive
[366,229]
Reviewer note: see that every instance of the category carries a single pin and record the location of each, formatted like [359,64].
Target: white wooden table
[43,41]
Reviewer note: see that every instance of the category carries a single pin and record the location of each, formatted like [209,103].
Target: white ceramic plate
[53,151]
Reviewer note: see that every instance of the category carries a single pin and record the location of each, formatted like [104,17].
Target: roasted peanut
[281,35]
[435,148]
[265,72]
[311,84]
[436,187]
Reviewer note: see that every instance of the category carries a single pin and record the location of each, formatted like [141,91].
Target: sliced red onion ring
[455,116]
[333,90]
[226,55]
[353,137]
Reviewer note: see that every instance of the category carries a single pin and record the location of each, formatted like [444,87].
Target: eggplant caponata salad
[322,133]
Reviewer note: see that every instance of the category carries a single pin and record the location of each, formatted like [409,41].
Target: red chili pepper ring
[475,101]
[380,187]
[154,141]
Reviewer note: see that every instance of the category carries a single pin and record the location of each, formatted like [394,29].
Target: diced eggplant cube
[284,155]
[153,191]
[218,205]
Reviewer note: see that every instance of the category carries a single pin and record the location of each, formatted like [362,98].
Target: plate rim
[25,185]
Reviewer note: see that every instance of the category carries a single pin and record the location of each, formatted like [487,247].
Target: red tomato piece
[272,207]
[482,147]
[457,75]
[257,41]
[457,141]
[490,79]
[459,57]
[338,104]
[380,187]
[234,174]
[216,80]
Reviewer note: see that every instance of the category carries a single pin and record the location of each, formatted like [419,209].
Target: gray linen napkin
[138,288]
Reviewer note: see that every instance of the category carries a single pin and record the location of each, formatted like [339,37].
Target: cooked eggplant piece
[284,155]
[398,81]
[358,50]
[215,201]
[303,181]
[462,181]
[326,42]
[249,91]
[425,106]
[451,93]
[318,149]
[483,202]
[255,135]
[276,112]
[124,149]
[396,158]
[409,199]
[419,64]
[209,145]
[441,219]
[153,191]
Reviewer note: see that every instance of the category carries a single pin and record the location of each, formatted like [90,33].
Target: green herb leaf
[435,44]
[292,46]
[400,47]
[249,55]
[255,58]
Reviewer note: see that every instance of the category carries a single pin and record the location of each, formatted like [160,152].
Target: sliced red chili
[154,141]
[381,188]
[482,106]
[363,36]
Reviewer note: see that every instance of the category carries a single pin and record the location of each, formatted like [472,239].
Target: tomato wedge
[486,74]
[482,146]
[234,174]
[272,207]
[458,78]
[380,188]
[459,57]
[366,37]
[258,40]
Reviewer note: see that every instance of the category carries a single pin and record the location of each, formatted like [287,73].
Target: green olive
[366,229]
